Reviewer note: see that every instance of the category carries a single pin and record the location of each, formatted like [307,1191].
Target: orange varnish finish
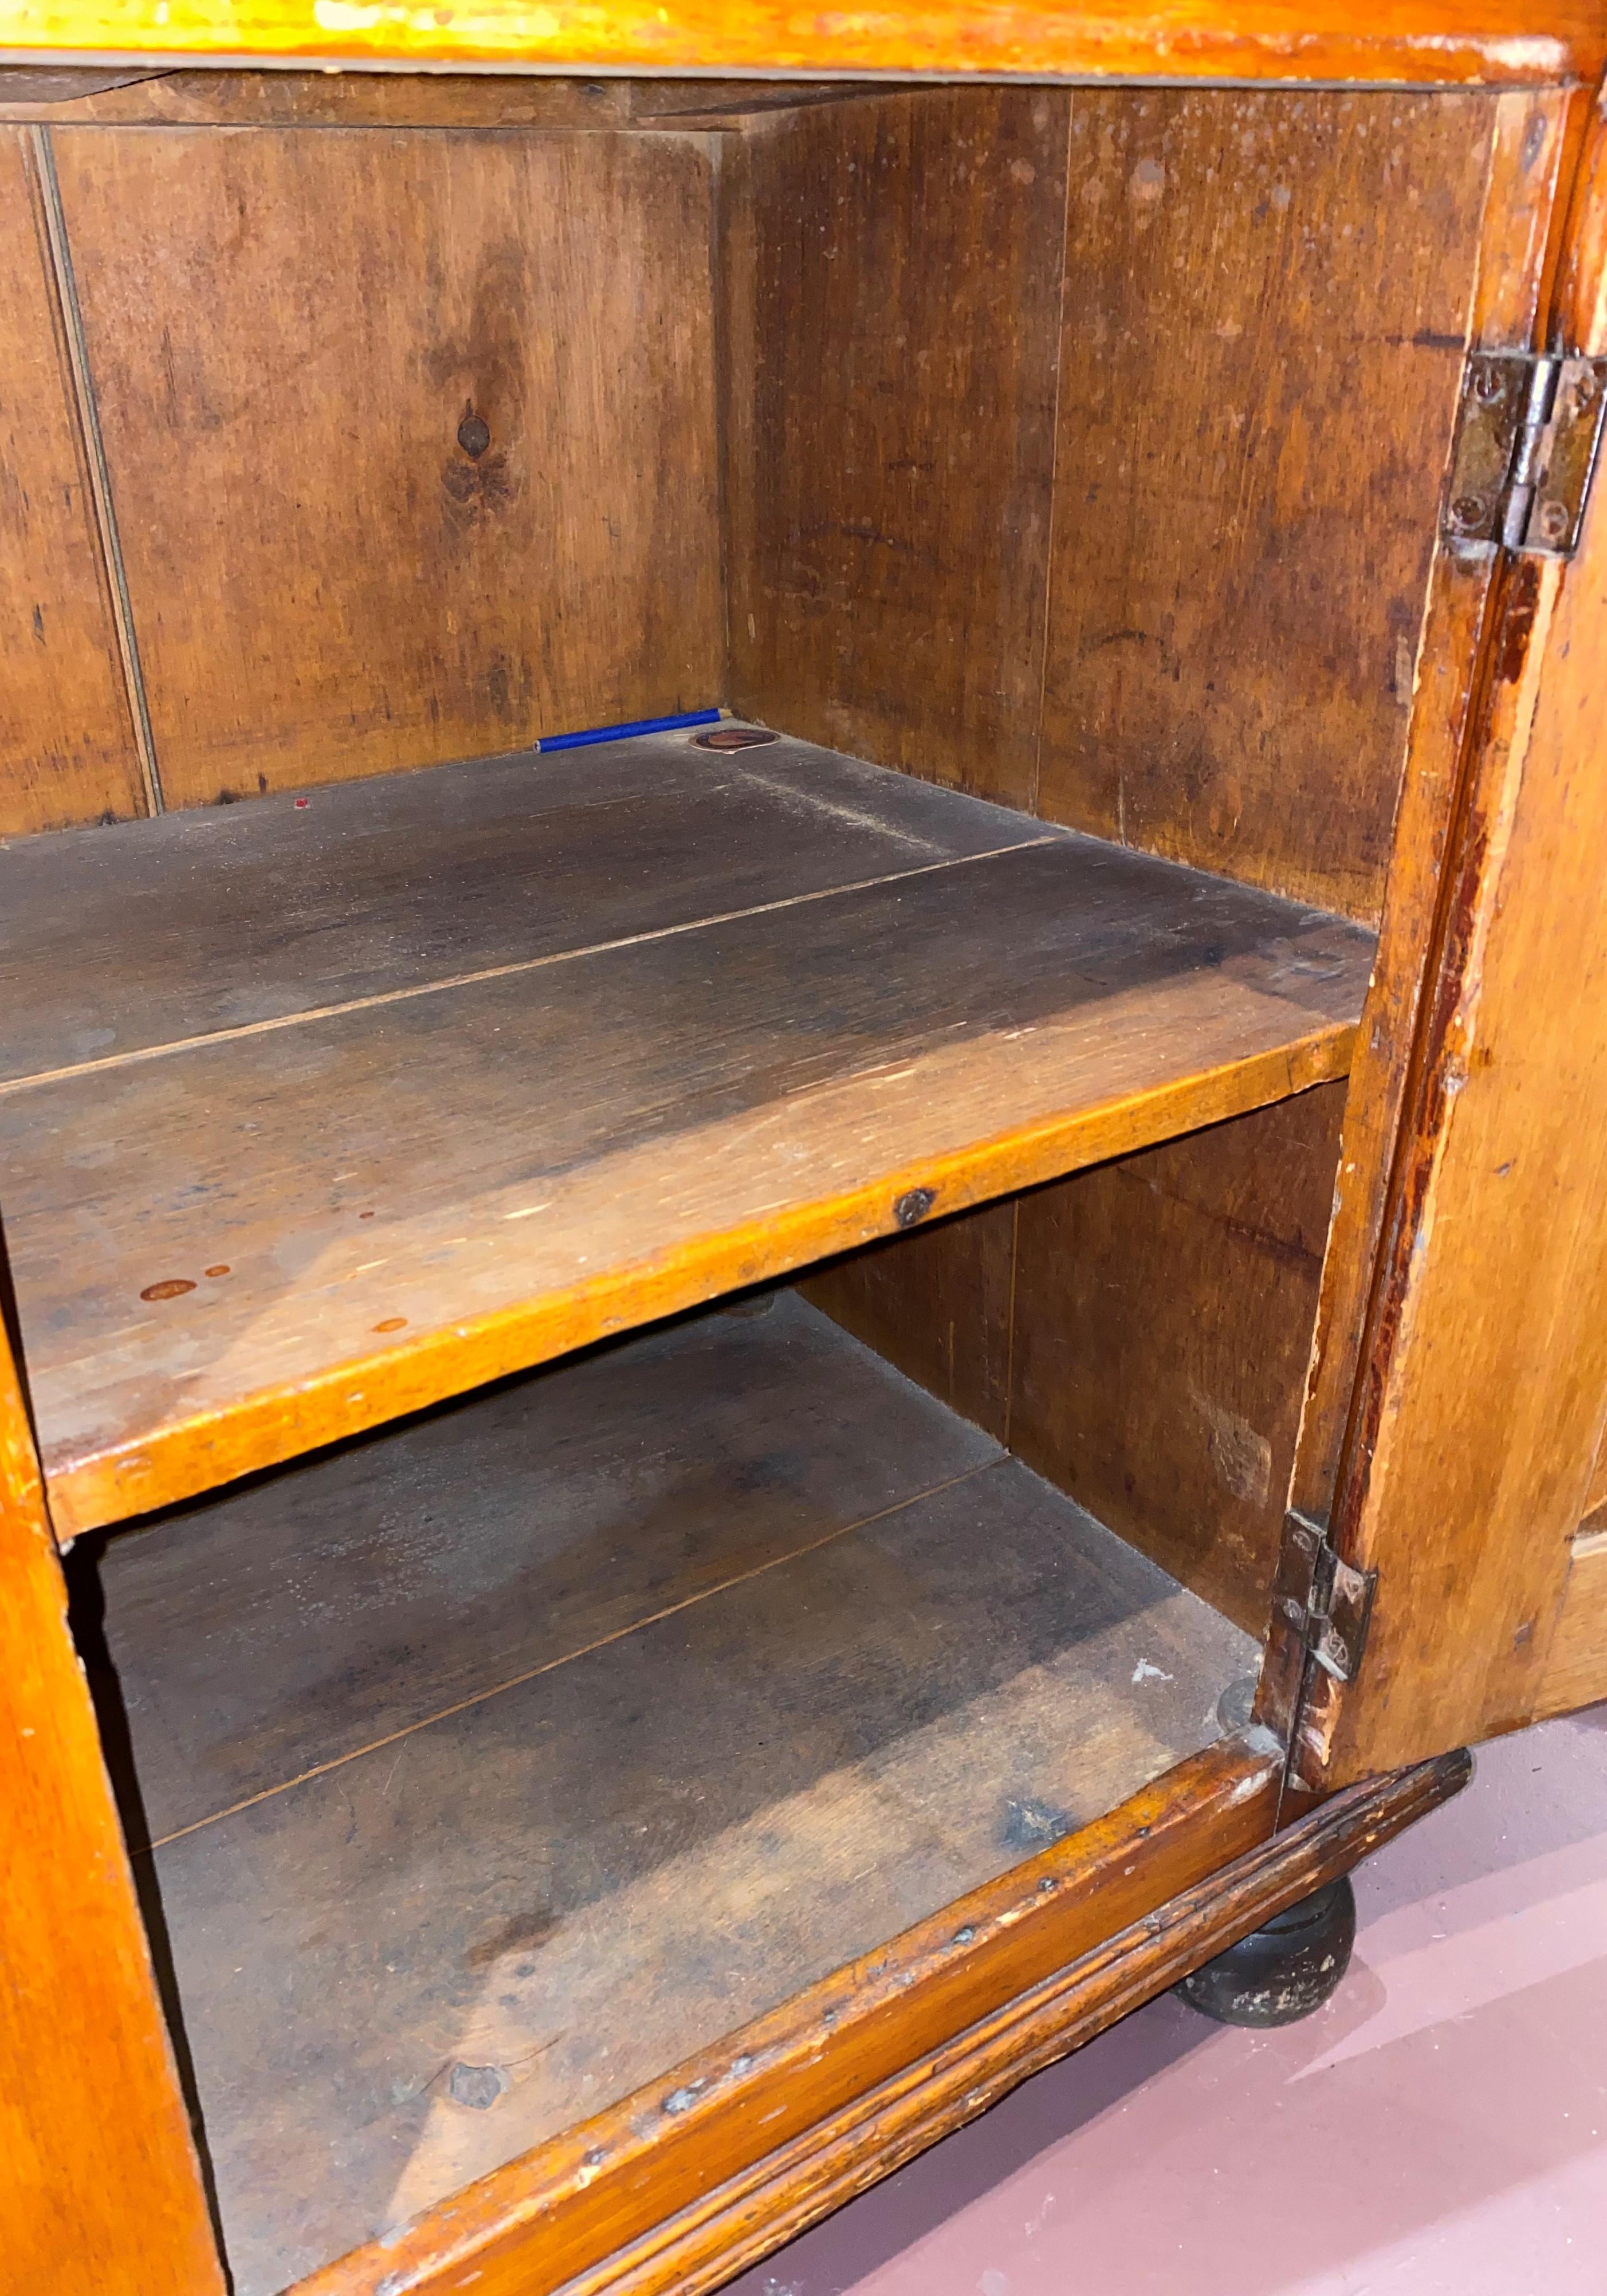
[1483,43]
[199,1453]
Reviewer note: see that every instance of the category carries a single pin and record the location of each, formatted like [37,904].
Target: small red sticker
[391,1324]
[171,1287]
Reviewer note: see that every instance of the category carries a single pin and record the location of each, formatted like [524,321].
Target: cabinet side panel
[1267,304]
[938,1305]
[892,426]
[67,749]
[1138,1333]
[99,2187]
[411,436]
[1164,1307]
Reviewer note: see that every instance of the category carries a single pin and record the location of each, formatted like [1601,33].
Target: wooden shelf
[500,1762]
[321,1109]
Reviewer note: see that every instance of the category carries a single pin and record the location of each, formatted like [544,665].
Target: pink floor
[1439,2129]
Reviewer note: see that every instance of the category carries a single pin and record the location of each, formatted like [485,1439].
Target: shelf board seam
[138,1054]
[585,1650]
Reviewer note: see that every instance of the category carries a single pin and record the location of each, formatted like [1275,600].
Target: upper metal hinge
[1528,435]
[1326,1601]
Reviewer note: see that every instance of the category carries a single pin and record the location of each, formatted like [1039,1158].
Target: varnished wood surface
[324,581]
[1576,1663]
[1164,1307]
[99,2184]
[1490,42]
[883,2059]
[1474,1438]
[1222,622]
[1138,1333]
[67,749]
[348,1599]
[204,922]
[572,1880]
[1596,1492]
[752,2214]
[380,1206]
[1242,536]
[1531,159]
[1046,468]
[937,1303]
[893,279]
[155,97]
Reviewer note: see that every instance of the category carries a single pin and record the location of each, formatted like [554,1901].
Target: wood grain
[1164,1306]
[363,1211]
[762,2083]
[1596,1494]
[1138,1333]
[1581,317]
[1499,1351]
[99,2186]
[1234,611]
[553,2219]
[67,749]
[155,98]
[1147,188]
[288,99]
[751,2216]
[1575,1672]
[938,1305]
[116,942]
[582,1876]
[893,292]
[1436,42]
[314,1612]
[324,582]
[1532,148]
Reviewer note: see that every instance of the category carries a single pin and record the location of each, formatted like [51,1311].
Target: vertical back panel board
[67,752]
[411,436]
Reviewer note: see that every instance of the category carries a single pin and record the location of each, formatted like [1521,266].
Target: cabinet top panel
[1488,42]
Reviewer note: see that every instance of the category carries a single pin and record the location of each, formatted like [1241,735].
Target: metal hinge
[1326,1601]
[1528,435]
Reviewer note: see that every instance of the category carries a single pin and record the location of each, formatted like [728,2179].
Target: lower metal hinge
[1529,437]
[1326,1601]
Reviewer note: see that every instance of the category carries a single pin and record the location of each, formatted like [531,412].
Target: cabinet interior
[1055,472]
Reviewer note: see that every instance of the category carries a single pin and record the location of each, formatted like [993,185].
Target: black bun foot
[1283,1972]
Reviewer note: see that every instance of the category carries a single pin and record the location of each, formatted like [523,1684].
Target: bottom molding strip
[752,2215]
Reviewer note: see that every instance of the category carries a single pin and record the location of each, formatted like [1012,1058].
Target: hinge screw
[1554,520]
[1487,383]
[1467,510]
[1585,385]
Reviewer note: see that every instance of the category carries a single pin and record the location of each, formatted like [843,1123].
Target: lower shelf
[494,1766]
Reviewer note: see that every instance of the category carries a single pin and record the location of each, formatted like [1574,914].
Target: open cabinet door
[1466,1475]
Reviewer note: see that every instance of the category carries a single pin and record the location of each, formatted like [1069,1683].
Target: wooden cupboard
[714,1432]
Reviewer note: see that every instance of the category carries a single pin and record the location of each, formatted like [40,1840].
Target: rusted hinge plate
[1327,1603]
[1565,461]
[1528,435]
